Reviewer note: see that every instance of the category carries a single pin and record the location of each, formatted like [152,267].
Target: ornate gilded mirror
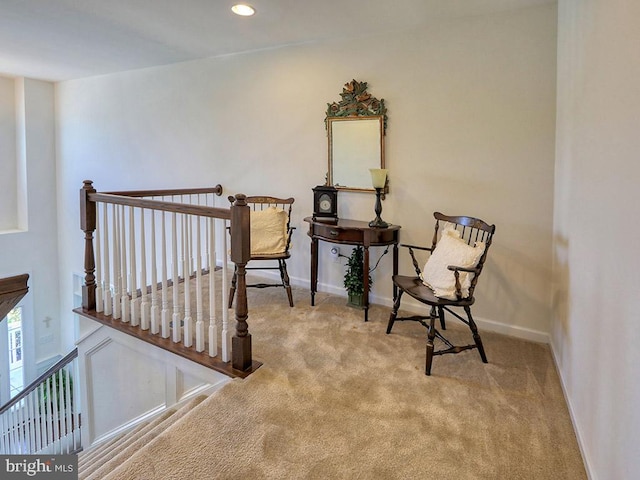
[356,127]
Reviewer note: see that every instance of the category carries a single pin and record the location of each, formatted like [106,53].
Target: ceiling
[65,39]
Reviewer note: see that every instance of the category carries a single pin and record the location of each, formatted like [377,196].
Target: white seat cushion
[451,250]
[268,231]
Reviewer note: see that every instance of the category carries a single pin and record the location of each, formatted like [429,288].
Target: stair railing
[149,262]
[12,289]
[44,417]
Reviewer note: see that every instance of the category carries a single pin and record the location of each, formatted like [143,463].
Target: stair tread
[131,445]
[87,456]
[119,446]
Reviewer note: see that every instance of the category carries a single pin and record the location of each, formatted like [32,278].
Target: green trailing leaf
[56,381]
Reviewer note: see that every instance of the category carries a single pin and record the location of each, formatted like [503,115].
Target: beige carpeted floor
[337,398]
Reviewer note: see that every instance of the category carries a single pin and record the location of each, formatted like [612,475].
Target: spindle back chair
[271,233]
[472,241]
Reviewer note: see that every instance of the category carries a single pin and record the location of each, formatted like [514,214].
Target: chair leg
[476,335]
[430,338]
[394,312]
[285,280]
[434,313]
[232,290]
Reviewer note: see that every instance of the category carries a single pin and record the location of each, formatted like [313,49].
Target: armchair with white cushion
[447,281]
[271,233]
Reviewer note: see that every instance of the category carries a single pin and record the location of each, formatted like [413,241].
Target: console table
[351,232]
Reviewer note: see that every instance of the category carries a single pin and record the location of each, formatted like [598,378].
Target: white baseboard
[483,323]
[512,330]
[576,429]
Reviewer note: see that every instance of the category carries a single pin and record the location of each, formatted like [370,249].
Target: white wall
[471,131]
[164,381]
[595,333]
[34,250]
[8,158]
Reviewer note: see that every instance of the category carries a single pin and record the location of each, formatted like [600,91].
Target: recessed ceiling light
[243,10]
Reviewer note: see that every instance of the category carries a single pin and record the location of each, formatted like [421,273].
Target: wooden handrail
[59,365]
[12,289]
[166,192]
[119,199]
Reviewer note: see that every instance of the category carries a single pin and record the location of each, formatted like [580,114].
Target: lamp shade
[378,177]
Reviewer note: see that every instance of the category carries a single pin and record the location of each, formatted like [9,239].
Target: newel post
[240,254]
[88,226]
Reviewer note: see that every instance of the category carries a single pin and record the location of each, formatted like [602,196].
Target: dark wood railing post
[240,254]
[88,226]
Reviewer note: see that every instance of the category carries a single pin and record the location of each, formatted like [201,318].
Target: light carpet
[337,398]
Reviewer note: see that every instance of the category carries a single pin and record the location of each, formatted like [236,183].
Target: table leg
[314,269]
[366,283]
[395,269]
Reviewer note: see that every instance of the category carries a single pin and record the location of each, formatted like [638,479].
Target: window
[15,349]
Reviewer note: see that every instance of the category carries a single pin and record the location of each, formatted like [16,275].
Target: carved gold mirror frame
[356,126]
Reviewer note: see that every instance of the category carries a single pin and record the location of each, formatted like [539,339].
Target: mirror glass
[356,126]
[355,145]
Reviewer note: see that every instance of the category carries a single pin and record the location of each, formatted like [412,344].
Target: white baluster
[155,310]
[55,407]
[49,407]
[3,434]
[99,282]
[13,424]
[61,407]
[124,274]
[207,260]
[77,441]
[199,322]
[19,429]
[186,269]
[31,415]
[144,303]
[5,424]
[213,320]
[11,418]
[22,434]
[165,283]
[226,347]
[62,412]
[38,417]
[43,415]
[69,420]
[133,268]
[106,289]
[117,313]
[176,279]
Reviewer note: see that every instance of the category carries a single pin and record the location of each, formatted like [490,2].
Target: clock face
[325,208]
[325,203]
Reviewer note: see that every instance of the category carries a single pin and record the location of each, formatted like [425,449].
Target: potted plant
[354,278]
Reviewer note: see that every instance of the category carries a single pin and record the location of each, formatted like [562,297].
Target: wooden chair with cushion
[271,232]
[447,281]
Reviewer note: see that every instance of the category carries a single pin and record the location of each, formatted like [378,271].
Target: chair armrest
[456,273]
[454,268]
[406,245]
[411,248]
